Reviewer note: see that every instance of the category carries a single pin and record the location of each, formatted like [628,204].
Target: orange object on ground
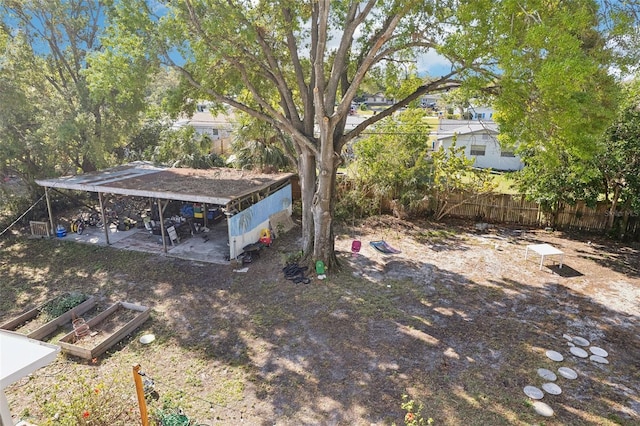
[265,237]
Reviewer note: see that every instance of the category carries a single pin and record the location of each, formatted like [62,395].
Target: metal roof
[142,179]
[488,127]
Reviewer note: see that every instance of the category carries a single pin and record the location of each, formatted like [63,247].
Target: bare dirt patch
[458,321]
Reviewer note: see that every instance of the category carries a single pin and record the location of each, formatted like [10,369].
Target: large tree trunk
[307,173]
[323,201]
[323,248]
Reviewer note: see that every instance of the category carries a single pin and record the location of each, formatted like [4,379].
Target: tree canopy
[52,121]
[619,162]
[298,65]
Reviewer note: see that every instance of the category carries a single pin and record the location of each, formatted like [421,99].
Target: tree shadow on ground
[466,349]
[345,350]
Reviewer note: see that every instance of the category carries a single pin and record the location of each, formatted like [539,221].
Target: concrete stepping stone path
[579,352]
[580,341]
[533,392]
[554,356]
[568,373]
[551,388]
[599,359]
[598,351]
[543,409]
[547,374]
[575,344]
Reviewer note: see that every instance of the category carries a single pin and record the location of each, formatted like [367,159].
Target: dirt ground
[458,321]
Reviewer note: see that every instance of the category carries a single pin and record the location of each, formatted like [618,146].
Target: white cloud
[433,64]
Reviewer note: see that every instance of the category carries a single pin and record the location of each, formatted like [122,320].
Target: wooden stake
[140,392]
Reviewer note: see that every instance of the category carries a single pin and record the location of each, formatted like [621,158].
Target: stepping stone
[568,373]
[554,356]
[542,409]
[599,359]
[552,388]
[580,341]
[598,351]
[579,352]
[533,392]
[547,374]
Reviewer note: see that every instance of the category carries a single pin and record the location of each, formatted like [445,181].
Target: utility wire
[22,215]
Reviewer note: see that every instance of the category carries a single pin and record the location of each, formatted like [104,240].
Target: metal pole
[46,193]
[104,218]
[160,211]
[142,402]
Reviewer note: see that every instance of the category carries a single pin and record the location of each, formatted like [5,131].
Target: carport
[249,200]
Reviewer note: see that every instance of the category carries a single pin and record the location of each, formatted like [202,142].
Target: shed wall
[245,227]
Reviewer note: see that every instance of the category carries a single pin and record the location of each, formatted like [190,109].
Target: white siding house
[480,142]
[219,128]
[480,113]
[378,99]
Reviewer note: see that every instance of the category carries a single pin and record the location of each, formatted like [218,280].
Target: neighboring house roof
[204,119]
[220,121]
[480,142]
[467,129]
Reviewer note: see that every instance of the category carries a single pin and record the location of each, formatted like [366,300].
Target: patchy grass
[453,322]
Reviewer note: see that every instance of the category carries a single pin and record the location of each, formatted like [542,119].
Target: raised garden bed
[45,319]
[105,330]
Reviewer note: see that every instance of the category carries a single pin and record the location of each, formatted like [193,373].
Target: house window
[478,150]
[507,153]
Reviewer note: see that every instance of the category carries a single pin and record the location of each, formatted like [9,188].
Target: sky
[431,63]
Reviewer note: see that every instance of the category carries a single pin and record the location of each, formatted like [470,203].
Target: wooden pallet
[39,229]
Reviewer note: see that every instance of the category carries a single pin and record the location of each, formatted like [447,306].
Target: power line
[22,215]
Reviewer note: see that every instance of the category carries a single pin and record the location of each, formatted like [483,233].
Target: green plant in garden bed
[61,304]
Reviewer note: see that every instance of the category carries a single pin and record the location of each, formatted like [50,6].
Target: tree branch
[440,85]
[276,119]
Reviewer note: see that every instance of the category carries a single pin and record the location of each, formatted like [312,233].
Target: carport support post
[104,218]
[46,194]
[160,211]
[206,213]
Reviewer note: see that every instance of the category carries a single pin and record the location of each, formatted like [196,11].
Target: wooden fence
[514,209]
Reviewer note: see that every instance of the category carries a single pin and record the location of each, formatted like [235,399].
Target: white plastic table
[544,250]
[20,356]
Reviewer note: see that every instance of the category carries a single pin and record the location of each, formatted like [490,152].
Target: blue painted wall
[256,215]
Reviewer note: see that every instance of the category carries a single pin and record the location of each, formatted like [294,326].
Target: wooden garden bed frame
[52,325]
[67,345]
